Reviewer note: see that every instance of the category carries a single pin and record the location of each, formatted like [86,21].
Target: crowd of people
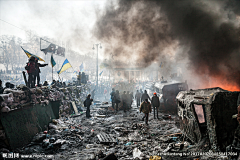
[126,99]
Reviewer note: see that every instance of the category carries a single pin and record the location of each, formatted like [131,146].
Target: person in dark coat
[138,98]
[155,103]
[145,96]
[31,69]
[87,103]
[113,97]
[37,73]
[117,99]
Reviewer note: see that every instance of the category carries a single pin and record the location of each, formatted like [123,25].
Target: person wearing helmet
[155,104]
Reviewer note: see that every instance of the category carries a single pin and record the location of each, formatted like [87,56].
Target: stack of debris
[23,96]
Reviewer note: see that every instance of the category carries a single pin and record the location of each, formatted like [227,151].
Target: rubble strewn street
[122,135]
[120,80]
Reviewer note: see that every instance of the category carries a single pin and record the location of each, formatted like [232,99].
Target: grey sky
[61,20]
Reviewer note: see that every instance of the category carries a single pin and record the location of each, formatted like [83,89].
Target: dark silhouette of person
[31,69]
[37,73]
[87,103]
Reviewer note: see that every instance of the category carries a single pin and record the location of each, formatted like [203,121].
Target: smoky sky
[209,29]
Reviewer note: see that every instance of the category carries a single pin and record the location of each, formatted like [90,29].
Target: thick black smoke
[209,28]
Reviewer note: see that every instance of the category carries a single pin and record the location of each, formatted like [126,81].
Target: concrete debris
[116,135]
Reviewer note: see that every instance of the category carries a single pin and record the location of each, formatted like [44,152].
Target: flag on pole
[100,73]
[64,67]
[75,72]
[52,61]
[29,55]
[81,68]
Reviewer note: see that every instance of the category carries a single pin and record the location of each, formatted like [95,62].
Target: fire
[224,85]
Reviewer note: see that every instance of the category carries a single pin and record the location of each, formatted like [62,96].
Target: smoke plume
[203,33]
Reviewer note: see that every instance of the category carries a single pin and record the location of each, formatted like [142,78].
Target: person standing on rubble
[37,73]
[145,96]
[87,103]
[113,97]
[138,97]
[155,103]
[31,69]
[146,108]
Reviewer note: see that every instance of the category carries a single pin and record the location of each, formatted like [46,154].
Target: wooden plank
[74,107]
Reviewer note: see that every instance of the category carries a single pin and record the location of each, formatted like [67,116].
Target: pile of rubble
[23,96]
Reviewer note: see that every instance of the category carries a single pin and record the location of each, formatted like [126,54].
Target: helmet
[155,93]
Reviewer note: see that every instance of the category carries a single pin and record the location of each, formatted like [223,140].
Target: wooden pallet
[106,138]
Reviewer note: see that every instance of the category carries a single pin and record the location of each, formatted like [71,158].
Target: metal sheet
[21,125]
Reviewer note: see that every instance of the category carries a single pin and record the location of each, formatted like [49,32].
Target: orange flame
[219,82]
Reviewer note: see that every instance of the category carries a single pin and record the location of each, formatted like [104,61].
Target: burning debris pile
[206,115]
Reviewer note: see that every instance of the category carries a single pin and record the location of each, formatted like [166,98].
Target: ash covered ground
[77,137]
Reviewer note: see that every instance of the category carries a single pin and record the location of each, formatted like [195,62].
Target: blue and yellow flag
[64,67]
[52,61]
[100,73]
[29,55]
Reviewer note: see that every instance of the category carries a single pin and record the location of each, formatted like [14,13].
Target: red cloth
[31,66]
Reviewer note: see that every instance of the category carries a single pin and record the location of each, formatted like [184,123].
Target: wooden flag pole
[59,77]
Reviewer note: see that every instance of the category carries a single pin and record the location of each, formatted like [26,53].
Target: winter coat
[117,98]
[30,67]
[113,96]
[145,96]
[124,98]
[39,65]
[145,107]
[129,98]
[87,102]
[155,101]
